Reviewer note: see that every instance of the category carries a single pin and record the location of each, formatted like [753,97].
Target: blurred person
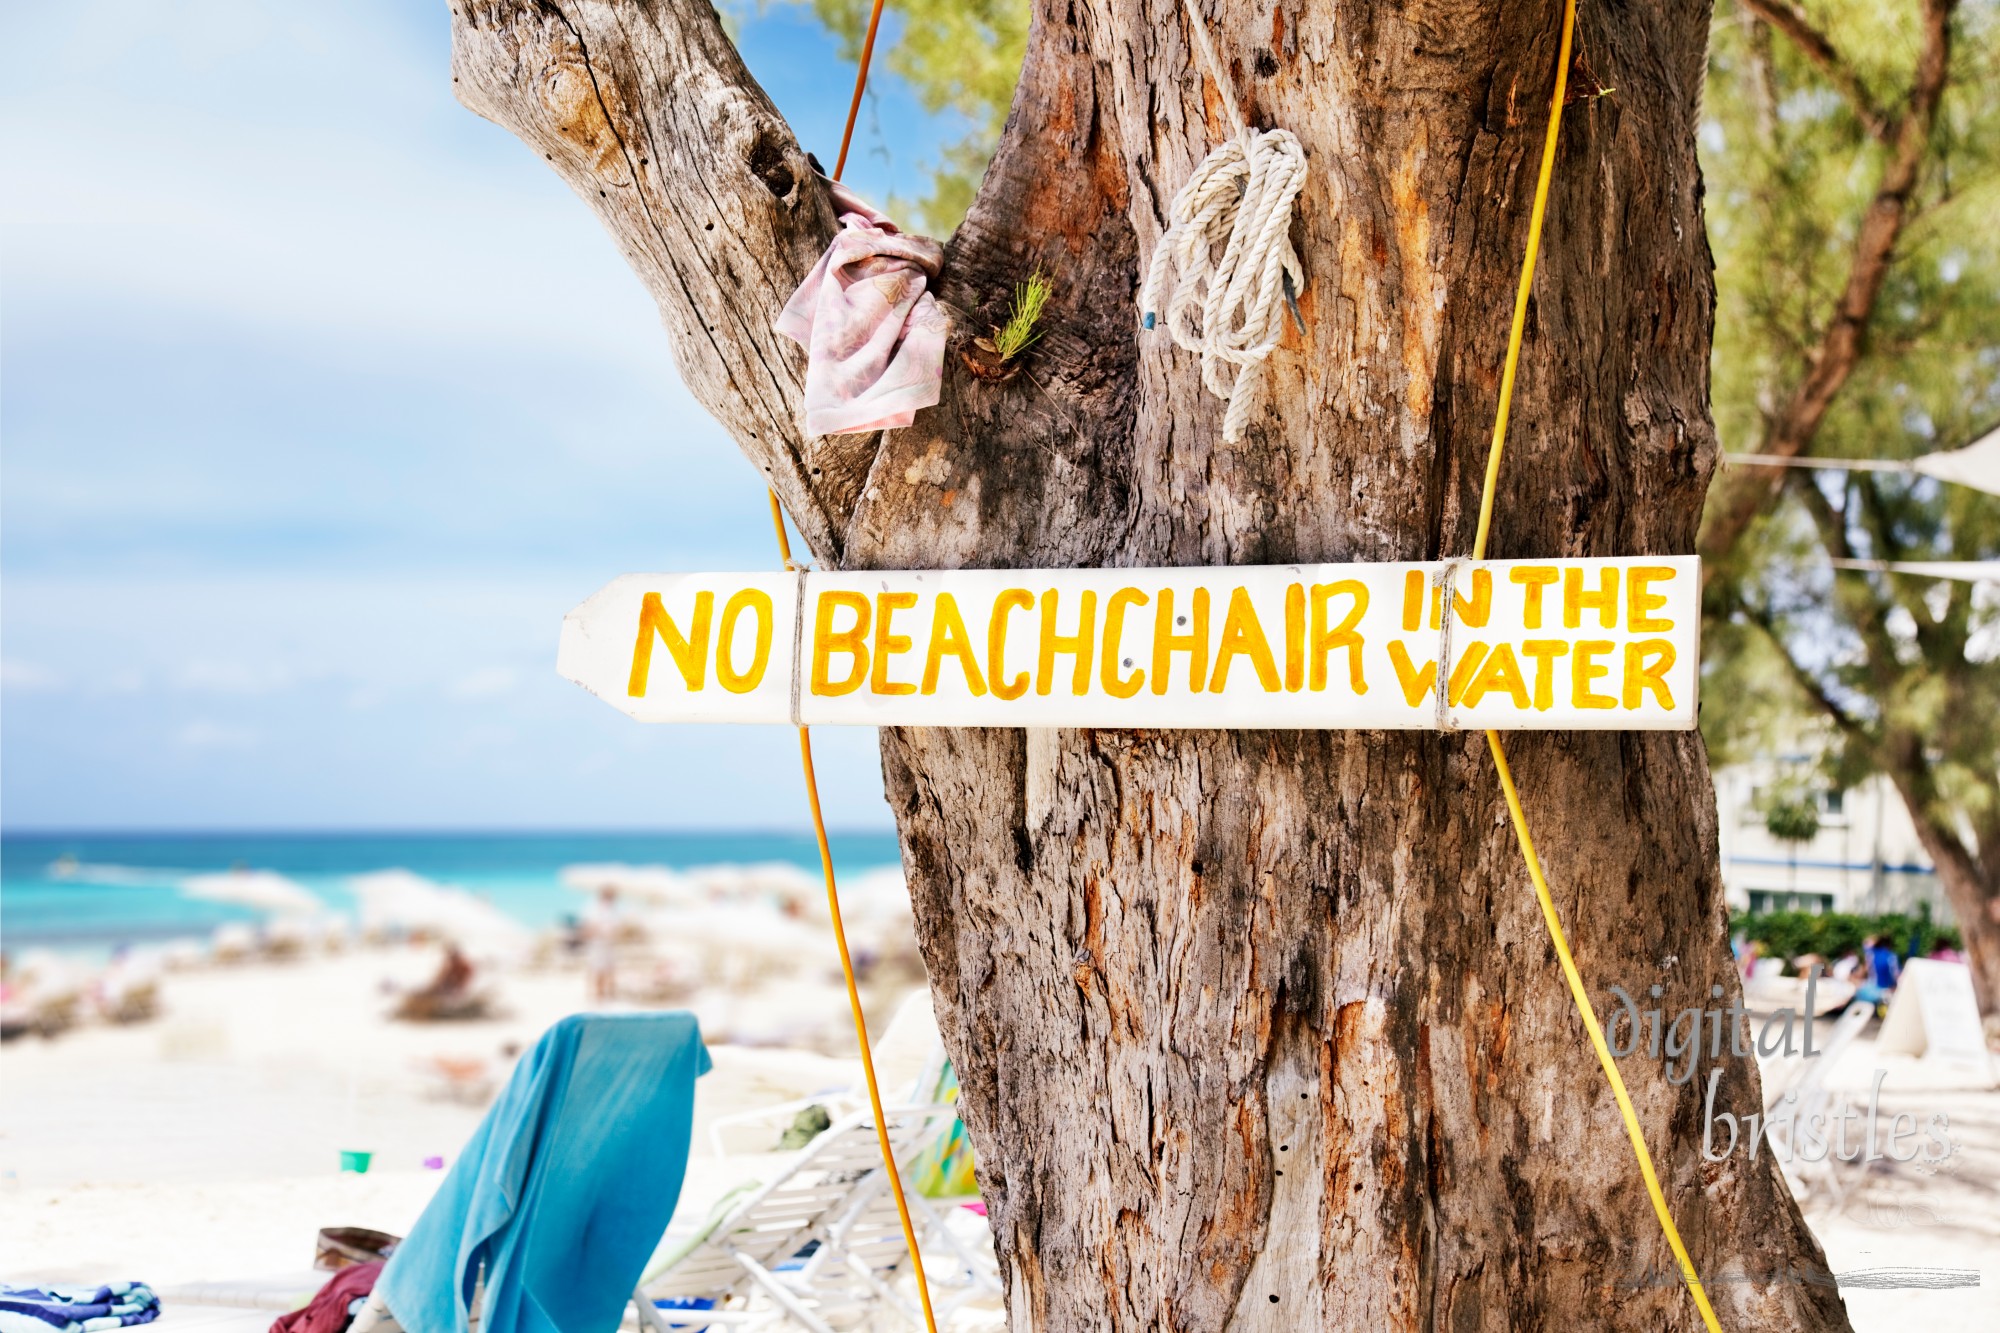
[600,935]
[1880,971]
[454,974]
[449,992]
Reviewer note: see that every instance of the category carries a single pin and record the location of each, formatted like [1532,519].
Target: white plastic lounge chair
[1801,1075]
[746,1262]
[1812,1097]
[909,1062]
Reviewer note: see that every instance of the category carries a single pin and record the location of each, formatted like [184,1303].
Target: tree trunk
[1262,1030]
[1973,898]
[1971,882]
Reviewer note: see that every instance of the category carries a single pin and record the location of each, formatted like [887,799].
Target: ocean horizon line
[104,887]
[802,829]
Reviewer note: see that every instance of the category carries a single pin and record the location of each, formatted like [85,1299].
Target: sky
[321,401]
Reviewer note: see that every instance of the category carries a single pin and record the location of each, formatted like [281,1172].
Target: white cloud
[202,734]
[27,677]
[485,683]
[126,681]
[208,676]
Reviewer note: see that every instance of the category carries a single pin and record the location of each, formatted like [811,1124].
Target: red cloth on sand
[327,1312]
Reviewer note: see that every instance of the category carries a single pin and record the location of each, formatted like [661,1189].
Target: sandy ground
[202,1146]
[1942,1218]
[266,1071]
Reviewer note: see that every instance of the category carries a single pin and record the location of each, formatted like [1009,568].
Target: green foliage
[1791,814]
[1875,671]
[1831,935]
[1020,332]
[958,56]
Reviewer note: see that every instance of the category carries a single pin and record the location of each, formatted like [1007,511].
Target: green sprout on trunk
[1020,332]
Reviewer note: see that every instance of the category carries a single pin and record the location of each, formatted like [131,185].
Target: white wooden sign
[1554,644]
[1934,1014]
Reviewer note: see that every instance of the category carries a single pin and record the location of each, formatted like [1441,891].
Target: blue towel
[565,1187]
[76,1309]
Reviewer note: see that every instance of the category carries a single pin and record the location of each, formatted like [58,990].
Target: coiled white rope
[1239,198]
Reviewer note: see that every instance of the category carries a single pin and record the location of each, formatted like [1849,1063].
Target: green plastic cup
[357,1162]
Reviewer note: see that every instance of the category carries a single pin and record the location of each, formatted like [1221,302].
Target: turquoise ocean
[91,892]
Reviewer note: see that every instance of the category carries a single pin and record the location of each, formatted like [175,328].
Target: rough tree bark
[1260,1030]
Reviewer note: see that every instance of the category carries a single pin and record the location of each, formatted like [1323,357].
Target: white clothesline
[1966,571]
[1976,465]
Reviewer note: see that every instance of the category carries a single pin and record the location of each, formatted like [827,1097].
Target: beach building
[1865,856]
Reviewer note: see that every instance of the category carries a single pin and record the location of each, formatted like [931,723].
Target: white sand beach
[202,1146]
[205,1144]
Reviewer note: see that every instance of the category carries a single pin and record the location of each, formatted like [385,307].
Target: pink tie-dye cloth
[873,334]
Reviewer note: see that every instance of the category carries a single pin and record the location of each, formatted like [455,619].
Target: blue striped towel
[76,1309]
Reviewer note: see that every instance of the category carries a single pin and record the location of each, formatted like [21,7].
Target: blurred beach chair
[1802,1075]
[430,1007]
[1807,1091]
[47,1017]
[43,996]
[232,942]
[1828,998]
[128,990]
[134,1003]
[821,1246]
[909,1062]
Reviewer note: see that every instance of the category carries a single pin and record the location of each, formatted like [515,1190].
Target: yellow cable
[847,971]
[1554,922]
[778,526]
[1527,282]
[1589,1015]
[819,819]
[861,1032]
[860,86]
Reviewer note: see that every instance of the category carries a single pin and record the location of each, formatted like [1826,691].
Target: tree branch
[1867,611]
[1816,47]
[649,114]
[1833,361]
[1811,686]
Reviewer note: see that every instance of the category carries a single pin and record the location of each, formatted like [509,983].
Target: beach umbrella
[736,943]
[739,928]
[400,900]
[779,881]
[648,884]
[263,890]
